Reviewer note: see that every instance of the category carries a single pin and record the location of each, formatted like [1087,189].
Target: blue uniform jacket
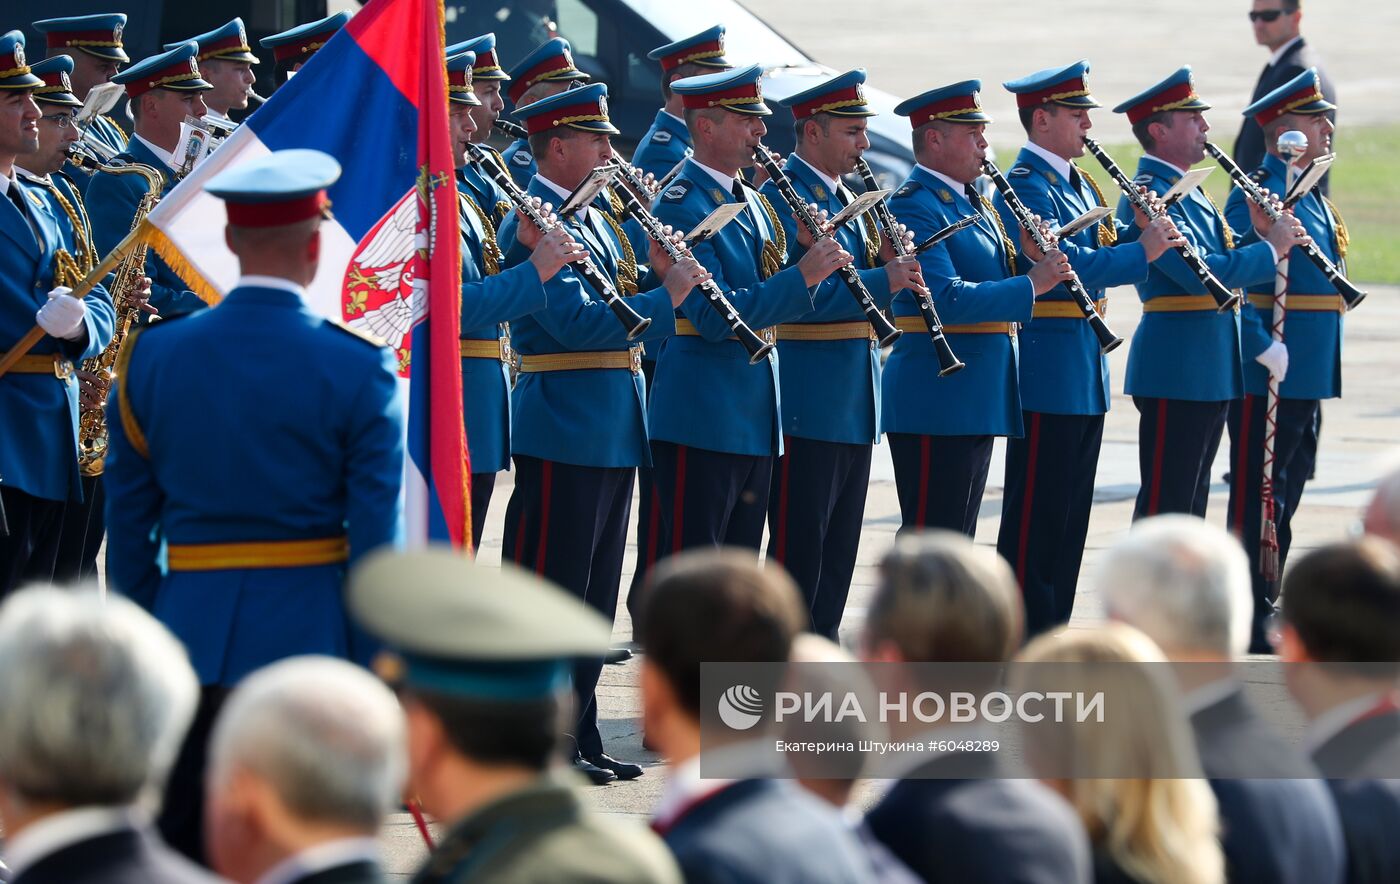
[520,162]
[39,412]
[483,191]
[1314,339]
[969,277]
[663,145]
[706,394]
[112,201]
[300,437]
[487,302]
[1192,355]
[831,389]
[1062,370]
[591,417]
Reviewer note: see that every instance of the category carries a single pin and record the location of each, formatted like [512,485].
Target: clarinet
[948,363]
[1107,339]
[757,348]
[514,130]
[632,322]
[885,332]
[1257,195]
[1224,298]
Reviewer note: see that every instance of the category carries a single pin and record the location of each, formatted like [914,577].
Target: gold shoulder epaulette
[355,332]
[134,434]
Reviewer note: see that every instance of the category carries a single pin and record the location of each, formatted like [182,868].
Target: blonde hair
[1158,830]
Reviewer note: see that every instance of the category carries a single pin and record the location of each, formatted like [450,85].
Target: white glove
[1275,359]
[63,315]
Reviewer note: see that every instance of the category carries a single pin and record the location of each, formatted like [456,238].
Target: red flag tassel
[417,810]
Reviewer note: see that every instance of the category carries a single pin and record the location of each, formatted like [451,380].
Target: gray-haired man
[97,696]
[305,761]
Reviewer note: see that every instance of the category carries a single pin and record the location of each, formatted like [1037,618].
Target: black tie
[18,199]
[843,196]
[1074,178]
[974,196]
[739,192]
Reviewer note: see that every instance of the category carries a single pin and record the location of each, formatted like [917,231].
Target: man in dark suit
[96,695]
[1342,604]
[943,600]
[731,830]
[306,759]
[1276,26]
[1186,585]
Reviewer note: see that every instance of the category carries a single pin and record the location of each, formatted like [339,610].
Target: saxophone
[126,283]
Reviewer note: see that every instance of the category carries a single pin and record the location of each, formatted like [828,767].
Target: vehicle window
[521,25]
[747,38]
[579,25]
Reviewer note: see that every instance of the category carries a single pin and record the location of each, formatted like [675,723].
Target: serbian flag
[375,98]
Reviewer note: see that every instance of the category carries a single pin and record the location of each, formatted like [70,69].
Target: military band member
[38,395]
[258,504]
[162,90]
[492,295]
[546,71]
[226,61]
[1182,403]
[667,141]
[483,676]
[941,429]
[293,48]
[83,525]
[1064,386]
[831,362]
[714,418]
[579,424]
[487,78]
[1312,369]
[94,42]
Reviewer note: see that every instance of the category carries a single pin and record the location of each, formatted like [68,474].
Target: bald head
[1382,517]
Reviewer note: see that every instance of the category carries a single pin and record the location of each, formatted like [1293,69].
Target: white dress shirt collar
[1057,162]
[253,280]
[1207,695]
[1337,719]
[959,187]
[1283,50]
[329,855]
[830,182]
[725,181]
[161,153]
[48,835]
[1173,166]
[673,116]
[563,194]
[682,790]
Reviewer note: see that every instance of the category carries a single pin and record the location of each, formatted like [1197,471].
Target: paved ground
[1359,442]
[909,46]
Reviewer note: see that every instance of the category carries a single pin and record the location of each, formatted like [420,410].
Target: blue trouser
[568,524]
[709,498]
[1045,510]
[1177,442]
[940,480]
[815,510]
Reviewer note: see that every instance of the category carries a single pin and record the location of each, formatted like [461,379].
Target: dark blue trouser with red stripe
[568,523]
[483,484]
[648,522]
[1045,511]
[1295,452]
[83,525]
[1177,442]
[709,498]
[940,480]
[815,512]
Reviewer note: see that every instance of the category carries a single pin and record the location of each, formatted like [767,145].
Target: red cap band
[942,110]
[539,73]
[1073,88]
[709,49]
[486,62]
[276,214]
[831,101]
[218,47]
[746,94]
[1286,105]
[83,38]
[562,116]
[1167,99]
[300,48]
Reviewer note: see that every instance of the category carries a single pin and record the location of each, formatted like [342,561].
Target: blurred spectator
[1185,584]
[481,660]
[1382,517]
[1341,632]
[96,697]
[1146,829]
[305,760]
[941,599]
[1278,27]
[719,606]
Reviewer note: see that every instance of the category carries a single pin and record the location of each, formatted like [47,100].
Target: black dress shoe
[617,655]
[598,776]
[623,770]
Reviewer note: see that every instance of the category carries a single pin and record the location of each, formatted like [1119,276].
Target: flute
[757,348]
[1107,339]
[1224,298]
[1351,295]
[885,331]
[633,322]
[948,362]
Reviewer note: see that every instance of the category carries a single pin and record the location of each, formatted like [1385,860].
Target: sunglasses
[1269,15]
